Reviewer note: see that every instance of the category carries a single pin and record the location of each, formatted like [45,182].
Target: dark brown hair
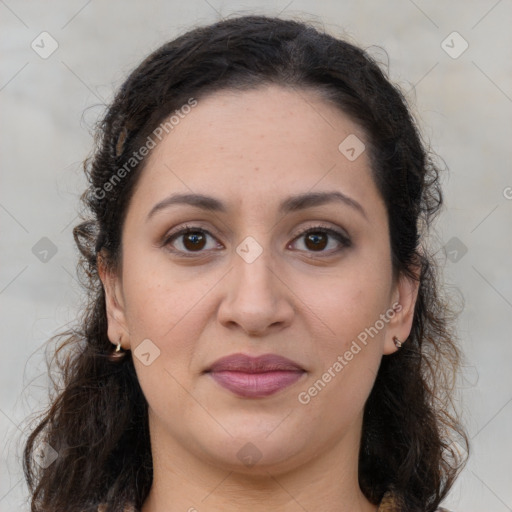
[97,418]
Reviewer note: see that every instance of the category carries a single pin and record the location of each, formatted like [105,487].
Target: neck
[183,482]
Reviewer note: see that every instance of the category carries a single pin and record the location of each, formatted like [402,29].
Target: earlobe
[400,325]
[117,327]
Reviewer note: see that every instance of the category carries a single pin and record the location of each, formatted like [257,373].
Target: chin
[257,453]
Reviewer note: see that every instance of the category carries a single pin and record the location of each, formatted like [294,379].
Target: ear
[405,295]
[116,318]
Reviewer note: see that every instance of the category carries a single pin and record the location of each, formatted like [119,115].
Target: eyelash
[339,236]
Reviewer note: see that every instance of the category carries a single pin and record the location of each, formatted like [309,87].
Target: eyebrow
[290,204]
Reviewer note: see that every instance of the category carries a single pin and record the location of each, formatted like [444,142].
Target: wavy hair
[97,418]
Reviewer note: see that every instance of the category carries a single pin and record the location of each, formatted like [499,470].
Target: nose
[258,299]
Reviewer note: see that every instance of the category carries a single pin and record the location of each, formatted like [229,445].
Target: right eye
[192,239]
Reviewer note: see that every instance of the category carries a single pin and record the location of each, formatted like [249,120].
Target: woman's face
[246,281]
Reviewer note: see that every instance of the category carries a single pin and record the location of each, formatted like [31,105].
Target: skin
[251,150]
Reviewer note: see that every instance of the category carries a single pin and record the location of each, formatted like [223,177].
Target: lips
[255,377]
[260,364]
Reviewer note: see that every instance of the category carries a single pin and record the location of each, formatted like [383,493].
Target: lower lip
[256,385]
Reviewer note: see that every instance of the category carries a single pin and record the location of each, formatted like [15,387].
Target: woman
[255,252]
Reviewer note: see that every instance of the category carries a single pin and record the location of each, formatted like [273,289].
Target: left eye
[317,237]
[194,239]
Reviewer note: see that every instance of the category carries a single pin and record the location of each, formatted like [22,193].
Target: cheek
[169,308]
[348,302]
[349,342]
[156,299]
[162,307]
[348,350]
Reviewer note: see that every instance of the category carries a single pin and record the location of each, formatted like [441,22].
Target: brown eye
[188,241]
[317,238]
[316,241]
[194,240]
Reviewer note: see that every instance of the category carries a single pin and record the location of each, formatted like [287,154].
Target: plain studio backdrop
[62,61]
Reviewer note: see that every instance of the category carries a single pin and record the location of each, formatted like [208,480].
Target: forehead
[251,146]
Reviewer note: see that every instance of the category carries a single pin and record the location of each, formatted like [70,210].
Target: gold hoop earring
[397,342]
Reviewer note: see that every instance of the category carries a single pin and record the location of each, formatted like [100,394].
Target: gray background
[463,105]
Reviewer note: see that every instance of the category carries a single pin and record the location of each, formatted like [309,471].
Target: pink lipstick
[255,377]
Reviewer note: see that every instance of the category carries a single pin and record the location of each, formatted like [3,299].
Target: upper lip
[250,364]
